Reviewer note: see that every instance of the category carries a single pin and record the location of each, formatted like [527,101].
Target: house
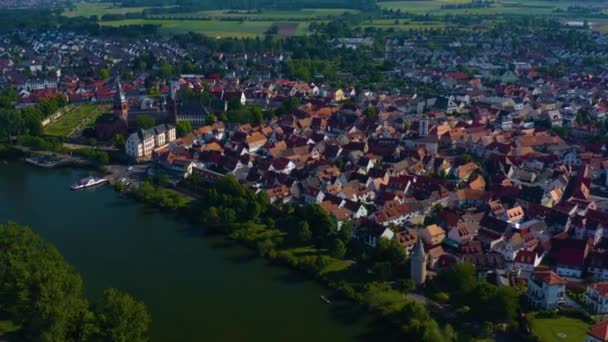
[142,143]
[598,333]
[570,256]
[513,215]
[432,235]
[463,172]
[596,297]
[527,261]
[546,289]
[255,141]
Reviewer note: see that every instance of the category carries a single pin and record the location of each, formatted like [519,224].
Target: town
[480,158]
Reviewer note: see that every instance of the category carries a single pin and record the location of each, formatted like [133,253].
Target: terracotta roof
[549,277]
[599,331]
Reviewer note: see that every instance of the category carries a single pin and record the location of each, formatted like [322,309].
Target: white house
[527,261]
[596,297]
[546,289]
[142,143]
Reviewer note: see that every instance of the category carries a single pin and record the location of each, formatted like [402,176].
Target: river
[196,288]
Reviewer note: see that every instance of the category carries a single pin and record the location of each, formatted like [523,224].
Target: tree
[165,70]
[118,141]
[122,318]
[104,74]
[346,231]
[183,128]
[390,251]
[338,248]
[370,112]
[303,233]
[145,121]
[39,290]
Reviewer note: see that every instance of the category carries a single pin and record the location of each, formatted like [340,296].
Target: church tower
[120,107]
[418,263]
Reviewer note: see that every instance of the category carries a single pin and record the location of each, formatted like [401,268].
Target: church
[110,124]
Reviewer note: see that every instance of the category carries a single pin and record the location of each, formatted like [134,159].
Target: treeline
[28,120]
[41,294]
[467,5]
[41,20]
[186,6]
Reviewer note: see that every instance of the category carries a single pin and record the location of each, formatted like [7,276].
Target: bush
[440,297]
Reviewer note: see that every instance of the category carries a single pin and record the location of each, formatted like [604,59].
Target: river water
[196,288]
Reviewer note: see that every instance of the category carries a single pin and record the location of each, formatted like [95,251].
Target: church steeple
[418,263]
[120,106]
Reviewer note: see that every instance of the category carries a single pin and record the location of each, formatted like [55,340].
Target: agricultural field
[303,14]
[78,117]
[402,24]
[558,329]
[211,28]
[87,9]
[514,7]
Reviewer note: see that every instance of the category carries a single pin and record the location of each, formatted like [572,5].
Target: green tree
[338,248]
[39,290]
[390,251]
[121,318]
[145,121]
[346,231]
[165,70]
[183,128]
[370,112]
[118,141]
[304,235]
[104,74]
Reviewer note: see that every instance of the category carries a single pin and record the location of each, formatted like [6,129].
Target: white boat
[88,182]
[325,300]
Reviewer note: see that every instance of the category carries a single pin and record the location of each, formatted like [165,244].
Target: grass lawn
[211,28]
[80,116]
[87,9]
[558,329]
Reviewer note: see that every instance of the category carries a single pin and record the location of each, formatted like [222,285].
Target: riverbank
[195,288]
[348,279]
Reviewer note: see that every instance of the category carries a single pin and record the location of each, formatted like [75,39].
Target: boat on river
[88,182]
[323,298]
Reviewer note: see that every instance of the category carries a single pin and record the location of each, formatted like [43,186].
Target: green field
[516,7]
[211,28]
[558,329]
[80,116]
[303,14]
[403,24]
[87,9]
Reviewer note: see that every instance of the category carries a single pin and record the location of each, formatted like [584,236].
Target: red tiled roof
[549,277]
[599,331]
